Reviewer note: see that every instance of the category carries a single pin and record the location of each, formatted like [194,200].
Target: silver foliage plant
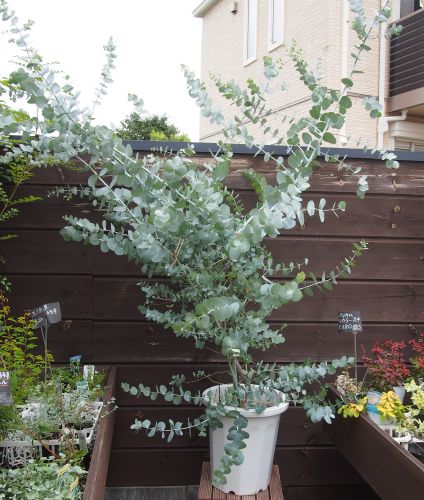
[179,221]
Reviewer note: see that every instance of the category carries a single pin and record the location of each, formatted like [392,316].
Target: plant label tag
[350,322]
[82,441]
[47,314]
[73,488]
[5,389]
[88,372]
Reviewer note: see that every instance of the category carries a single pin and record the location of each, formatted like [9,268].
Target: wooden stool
[208,492]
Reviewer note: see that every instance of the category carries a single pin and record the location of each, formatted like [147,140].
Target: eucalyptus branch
[105,74]
[345,268]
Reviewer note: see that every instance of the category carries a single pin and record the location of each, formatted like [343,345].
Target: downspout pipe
[383,122]
[344,59]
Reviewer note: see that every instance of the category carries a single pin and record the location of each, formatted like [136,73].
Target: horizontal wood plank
[69,338]
[298,467]
[385,260]
[46,247]
[350,492]
[46,213]
[155,374]
[295,428]
[408,179]
[139,342]
[388,302]
[73,292]
[376,216]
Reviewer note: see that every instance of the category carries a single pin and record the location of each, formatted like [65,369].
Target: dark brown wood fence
[99,298]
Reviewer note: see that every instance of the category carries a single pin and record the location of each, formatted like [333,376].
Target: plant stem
[233,369]
[240,370]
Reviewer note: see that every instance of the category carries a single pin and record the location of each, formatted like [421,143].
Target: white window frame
[272,44]
[254,6]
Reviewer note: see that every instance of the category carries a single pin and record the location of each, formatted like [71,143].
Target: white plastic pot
[254,474]
[400,391]
[373,398]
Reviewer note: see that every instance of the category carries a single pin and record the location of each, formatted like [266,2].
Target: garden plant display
[387,366]
[179,221]
[417,360]
[388,370]
[49,428]
[44,479]
[413,418]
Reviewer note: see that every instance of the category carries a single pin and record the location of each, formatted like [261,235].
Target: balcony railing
[407,55]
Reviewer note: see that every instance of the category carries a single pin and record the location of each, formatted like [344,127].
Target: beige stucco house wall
[322,29]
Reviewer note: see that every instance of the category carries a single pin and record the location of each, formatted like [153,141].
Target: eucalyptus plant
[179,221]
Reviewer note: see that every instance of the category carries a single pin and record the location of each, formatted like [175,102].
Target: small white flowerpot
[373,398]
[400,391]
[254,474]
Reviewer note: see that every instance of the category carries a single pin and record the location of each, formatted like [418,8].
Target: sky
[153,38]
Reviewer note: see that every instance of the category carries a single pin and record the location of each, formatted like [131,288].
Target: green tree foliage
[153,127]
[18,345]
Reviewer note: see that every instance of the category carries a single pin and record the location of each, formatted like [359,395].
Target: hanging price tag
[350,322]
[5,389]
[47,314]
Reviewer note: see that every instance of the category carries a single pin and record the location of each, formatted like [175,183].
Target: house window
[409,6]
[276,23]
[251,25]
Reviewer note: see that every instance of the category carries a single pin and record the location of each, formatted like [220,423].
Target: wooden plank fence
[99,297]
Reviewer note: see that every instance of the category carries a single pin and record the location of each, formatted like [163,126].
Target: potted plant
[387,371]
[417,360]
[412,422]
[179,221]
[353,398]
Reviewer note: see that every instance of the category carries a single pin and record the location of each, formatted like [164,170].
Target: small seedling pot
[373,398]
[254,474]
[400,391]
[416,448]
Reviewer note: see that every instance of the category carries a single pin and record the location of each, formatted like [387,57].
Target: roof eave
[203,7]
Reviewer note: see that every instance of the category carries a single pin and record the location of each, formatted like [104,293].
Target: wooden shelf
[99,464]
[393,472]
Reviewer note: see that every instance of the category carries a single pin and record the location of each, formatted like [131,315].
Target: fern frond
[8,214]
[8,237]
[25,199]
